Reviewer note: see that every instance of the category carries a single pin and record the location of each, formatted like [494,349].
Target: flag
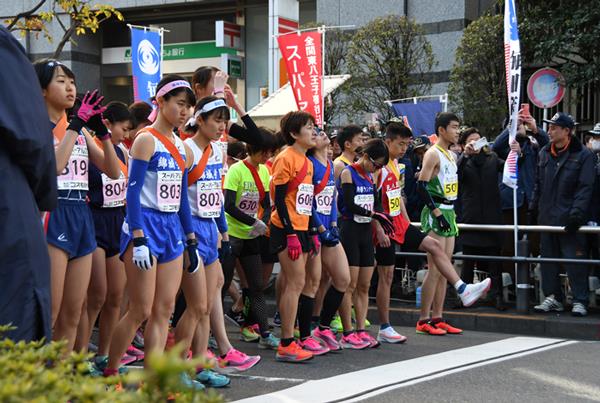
[146,59]
[303,58]
[512,62]
[421,115]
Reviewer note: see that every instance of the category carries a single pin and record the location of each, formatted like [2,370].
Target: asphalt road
[473,367]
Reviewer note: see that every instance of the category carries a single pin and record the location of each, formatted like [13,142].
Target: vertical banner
[303,58]
[512,61]
[146,60]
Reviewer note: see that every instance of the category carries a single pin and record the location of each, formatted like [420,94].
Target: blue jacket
[527,166]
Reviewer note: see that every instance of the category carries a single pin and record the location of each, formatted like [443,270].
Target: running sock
[460,286]
[110,372]
[264,335]
[305,308]
[422,322]
[314,319]
[347,332]
[384,326]
[323,328]
[361,331]
[287,342]
[331,303]
[435,321]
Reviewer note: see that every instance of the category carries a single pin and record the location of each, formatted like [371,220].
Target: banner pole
[516,228]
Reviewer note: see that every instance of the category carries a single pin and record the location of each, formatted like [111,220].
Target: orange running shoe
[442,324]
[429,328]
[292,353]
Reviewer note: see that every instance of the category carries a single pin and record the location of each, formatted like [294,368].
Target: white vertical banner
[283,18]
[512,61]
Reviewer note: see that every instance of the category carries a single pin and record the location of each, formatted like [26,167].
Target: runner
[290,238]
[332,254]
[349,139]
[107,283]
[360,209]
[246,188]
[438,187]
[157,215]
[70,229]
[139,111]
[397,140]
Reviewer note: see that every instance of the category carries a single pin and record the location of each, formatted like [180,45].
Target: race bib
[304,199]
[249,203]
[75,174]
[394,196]
[168,190]
[113,191]
[324,200]
[451,187]
[210,195]
[366,202]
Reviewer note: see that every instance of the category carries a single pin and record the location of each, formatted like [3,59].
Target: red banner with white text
[303,59]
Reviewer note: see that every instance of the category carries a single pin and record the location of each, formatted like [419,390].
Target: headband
[165,89]
[211,106]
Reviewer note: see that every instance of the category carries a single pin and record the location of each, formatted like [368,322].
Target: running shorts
[71,229]
[357,241]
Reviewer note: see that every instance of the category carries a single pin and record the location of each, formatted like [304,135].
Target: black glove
[385,221]
[191,249]
[443,223]
[97,126]
[574,222]
[225,250]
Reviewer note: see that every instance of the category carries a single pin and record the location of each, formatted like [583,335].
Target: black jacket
[564,184]
[480,197]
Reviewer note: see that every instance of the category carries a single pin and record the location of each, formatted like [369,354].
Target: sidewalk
[487,319]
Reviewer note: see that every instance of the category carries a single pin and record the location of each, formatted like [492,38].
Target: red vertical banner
[303,58]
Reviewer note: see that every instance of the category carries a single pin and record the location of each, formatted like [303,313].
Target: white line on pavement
[357,385]
[576,389]
[267,378]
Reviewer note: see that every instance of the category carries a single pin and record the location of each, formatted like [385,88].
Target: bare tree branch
[24,14]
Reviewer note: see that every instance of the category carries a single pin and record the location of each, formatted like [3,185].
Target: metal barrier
[522,258]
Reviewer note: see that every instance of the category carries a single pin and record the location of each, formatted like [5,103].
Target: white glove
[141,254]
[258,228]
[219,82]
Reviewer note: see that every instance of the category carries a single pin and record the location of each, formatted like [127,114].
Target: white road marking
[358,385]
[267,378]
[573,388]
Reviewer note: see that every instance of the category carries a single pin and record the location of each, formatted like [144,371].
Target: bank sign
[176,51]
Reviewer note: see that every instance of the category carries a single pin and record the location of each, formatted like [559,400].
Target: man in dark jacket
[28,185]
[562,196]
[478,170]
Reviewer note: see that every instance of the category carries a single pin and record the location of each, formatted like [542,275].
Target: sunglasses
[377,165]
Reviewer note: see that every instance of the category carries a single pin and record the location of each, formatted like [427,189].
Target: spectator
[594,211]
[480,202]
[28,185]
[530,139]
[562,195]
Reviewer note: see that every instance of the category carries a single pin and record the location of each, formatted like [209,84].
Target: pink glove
[294,247]
[316,246]
[90,106]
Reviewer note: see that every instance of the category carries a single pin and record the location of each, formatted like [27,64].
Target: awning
[271,109]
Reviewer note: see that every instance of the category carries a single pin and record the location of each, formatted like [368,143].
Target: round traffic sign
[546,88]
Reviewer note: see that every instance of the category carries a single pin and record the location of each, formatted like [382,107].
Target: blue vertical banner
[146,61]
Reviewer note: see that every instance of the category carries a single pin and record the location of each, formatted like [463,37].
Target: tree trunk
[64,41]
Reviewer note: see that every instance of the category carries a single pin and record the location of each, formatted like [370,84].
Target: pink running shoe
[312,345]
[366,336]
[354,342]
[236,361]
[328,338]
[135,352]
[127,359]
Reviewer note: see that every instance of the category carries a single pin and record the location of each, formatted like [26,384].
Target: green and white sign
[172,51]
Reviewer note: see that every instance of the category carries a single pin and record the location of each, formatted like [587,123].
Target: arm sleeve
[233,210]
[266,204]
[348,189]
[185,213]
[282,211]
[314,218]
[377,206]
[312,222]
[137,171]
[221,221]
[334,211]
[425,195]
[25,129]
[249,134]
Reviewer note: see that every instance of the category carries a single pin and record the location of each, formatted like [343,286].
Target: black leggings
[247,251]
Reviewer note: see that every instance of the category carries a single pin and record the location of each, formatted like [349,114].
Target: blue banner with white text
[146,60]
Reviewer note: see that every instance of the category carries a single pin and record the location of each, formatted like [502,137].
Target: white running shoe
[549,304]
[578,309]
[389,335]
[474,291]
